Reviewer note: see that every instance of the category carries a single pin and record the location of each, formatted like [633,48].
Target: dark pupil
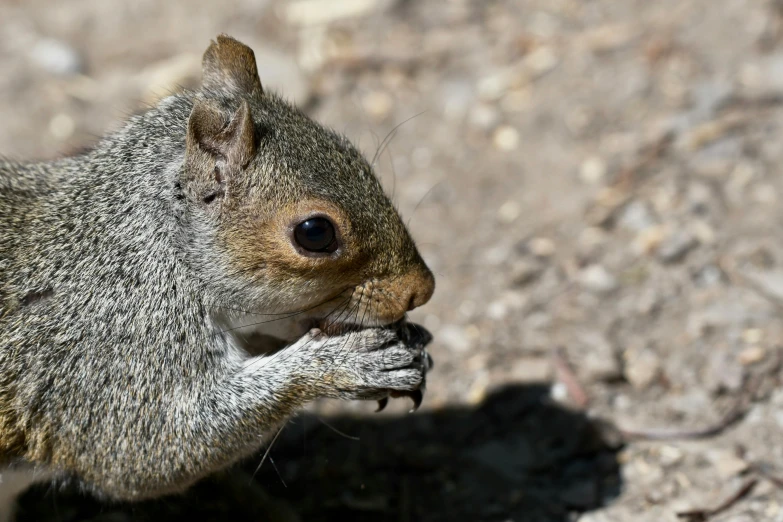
[315,235]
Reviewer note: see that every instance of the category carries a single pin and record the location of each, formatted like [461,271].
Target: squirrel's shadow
[517,456]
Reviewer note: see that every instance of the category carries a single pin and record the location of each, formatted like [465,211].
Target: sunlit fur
[130,274]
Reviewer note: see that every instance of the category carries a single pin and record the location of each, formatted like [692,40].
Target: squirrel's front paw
[375,363]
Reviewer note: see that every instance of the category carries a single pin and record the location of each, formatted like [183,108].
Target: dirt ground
[595,184]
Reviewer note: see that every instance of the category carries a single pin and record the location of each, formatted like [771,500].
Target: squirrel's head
[304,232]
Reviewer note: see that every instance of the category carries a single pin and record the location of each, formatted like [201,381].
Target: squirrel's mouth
[331,327]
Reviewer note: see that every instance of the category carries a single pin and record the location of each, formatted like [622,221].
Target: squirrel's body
[125,271]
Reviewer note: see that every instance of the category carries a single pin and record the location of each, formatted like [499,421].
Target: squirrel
[130,275]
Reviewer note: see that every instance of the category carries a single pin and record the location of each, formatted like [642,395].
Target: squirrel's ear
[229,64]
[208,131]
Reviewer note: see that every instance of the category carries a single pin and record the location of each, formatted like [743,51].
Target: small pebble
[674,248]
[751,355]
[484,117]
[636,216]
[378,104]
[57,57]
[648,240]
[542,60]
[541,246]
[708,275]
[559,392]
[453,337]
[62,126]
[599,361]
[506,138]
[752,335]
[593,170]
[597,279]
[670,455]
[525,271]
[497,310]
[319,13]
[726,463]
[509,211]
[642,367]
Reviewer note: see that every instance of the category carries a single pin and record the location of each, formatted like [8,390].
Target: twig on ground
[735,415]
[701,515]
[565,374]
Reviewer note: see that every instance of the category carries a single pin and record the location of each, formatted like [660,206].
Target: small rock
[484,117]
[708,275]
[752,335]
[319,13]
[670,455]
[531,369]
[700,197]
[751,355]
[675,247]
[62,126]
[599,361]
[509,211]
[648,301]
[497,310]
[378,104]
[648,240]
[642,367]
[525,271]
[608,37]
[559,392]
[597,279]
[702,231]
[593,170]
[765,194]
[723,373]
[492,86]
[770,282]
[497,255]
[506,138]
[542,60]
[726,463]
[454,338]
[541,246]
[591,240]
[457,98]
[636,216]
[56,57]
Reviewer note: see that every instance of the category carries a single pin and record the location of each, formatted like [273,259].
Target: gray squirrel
[131,274]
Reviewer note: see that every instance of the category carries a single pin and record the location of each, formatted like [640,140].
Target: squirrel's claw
[415,336]
[417,396]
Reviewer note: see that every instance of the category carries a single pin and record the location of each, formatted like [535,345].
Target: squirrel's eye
[316,235]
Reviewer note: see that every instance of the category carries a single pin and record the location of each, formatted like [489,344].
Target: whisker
[285,354]
[268,449]
[345,435]
[278,317]
[390,135]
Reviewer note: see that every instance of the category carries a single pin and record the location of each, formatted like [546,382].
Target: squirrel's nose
[422,285]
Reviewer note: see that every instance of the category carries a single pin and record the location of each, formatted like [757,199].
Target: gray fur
[115,368]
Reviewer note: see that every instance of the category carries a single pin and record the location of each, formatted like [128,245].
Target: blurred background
[595,184]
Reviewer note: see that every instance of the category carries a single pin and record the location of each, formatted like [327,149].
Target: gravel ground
[595,184]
